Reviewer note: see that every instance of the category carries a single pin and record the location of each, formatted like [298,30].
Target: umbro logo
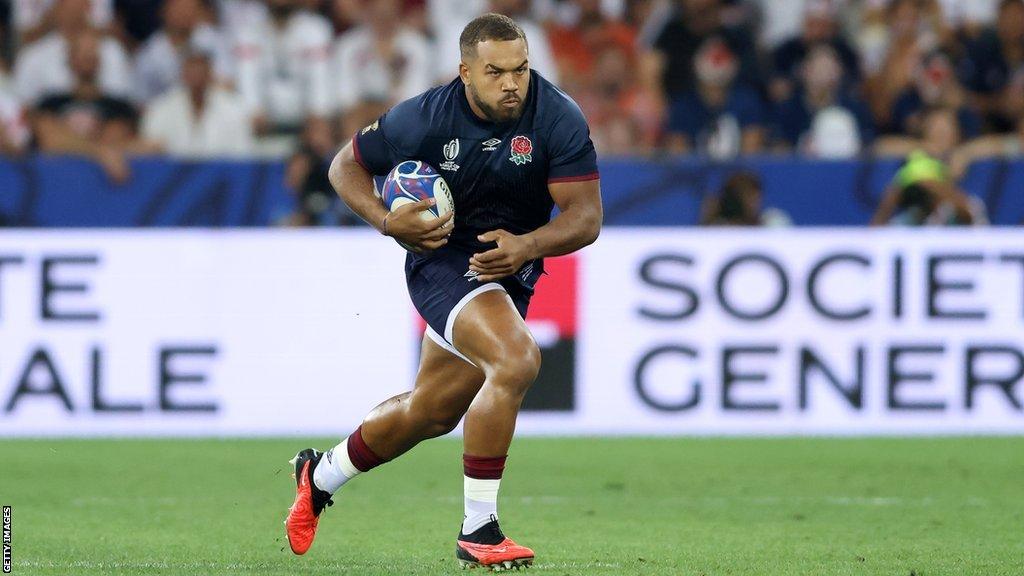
[471,275]
[526,271]
[491,145]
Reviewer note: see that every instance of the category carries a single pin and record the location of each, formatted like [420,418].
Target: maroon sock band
[360,454]
[483,468]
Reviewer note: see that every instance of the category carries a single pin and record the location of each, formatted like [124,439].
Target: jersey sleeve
[572,155]
[394,137]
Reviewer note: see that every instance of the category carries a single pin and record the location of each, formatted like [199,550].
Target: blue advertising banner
[45,191]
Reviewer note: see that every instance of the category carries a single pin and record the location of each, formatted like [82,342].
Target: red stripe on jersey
[583,178]
[359,157]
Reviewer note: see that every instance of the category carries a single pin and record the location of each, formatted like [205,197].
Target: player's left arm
[577,225]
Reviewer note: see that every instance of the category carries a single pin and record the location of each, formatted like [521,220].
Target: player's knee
[518,367]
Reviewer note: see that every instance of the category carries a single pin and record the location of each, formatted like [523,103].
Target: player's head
[495,66]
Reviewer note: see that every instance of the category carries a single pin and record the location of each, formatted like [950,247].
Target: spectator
[238,18]
[14,132]
[620,116]
[740,202]
[819,27]
[638,13]
[935,85]
[138,19]
[940,137]
[158,64]
[306,177]
[870,32]
[42,67]
[824,119]
[34,19]
[994,67]
[6,38]
[969,16]
[449,17]
[719,118]
[567,12]
[379,64]
[343,14]
[577,46]
[1005,146]
[414,15]
[780,20]
[923,194]
[199,119]
[283,66]
[925,190]
[914,30]
[85,120]
[670,66]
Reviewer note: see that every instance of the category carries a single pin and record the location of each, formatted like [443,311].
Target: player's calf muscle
[433,416]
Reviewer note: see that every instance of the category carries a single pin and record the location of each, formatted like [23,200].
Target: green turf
[587,506]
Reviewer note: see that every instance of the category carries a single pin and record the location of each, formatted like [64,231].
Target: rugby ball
[413,181]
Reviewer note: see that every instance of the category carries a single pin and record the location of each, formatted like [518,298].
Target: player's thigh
[492,333]
[445,383]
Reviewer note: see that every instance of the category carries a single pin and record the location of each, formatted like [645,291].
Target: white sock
[335,469]
[481,503]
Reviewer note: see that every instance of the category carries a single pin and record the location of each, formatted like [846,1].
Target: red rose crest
[521,149]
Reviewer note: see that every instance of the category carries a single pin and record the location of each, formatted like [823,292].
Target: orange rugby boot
[489,548]
[310,501]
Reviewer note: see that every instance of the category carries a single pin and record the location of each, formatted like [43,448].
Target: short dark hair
[488,27]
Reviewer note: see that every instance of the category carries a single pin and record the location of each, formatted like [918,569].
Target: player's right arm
[353,182]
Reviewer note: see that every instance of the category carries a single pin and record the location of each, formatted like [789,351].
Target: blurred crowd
[240,78]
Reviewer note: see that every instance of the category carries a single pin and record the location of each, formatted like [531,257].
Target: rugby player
[511,147]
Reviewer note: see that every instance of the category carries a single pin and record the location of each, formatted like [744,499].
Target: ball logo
[443,195]
[521,150]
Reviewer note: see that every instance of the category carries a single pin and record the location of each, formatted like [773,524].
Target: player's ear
[464,73]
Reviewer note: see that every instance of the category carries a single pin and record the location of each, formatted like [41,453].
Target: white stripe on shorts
[440,341]
[447,341]
[449,326]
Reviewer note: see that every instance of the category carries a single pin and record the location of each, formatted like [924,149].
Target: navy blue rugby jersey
[498,173]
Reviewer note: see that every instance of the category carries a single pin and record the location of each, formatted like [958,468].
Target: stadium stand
[787,81]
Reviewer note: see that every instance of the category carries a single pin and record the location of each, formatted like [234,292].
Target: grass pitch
[587,506]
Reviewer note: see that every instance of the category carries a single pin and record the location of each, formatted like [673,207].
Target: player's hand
[405,224]
[510,255]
